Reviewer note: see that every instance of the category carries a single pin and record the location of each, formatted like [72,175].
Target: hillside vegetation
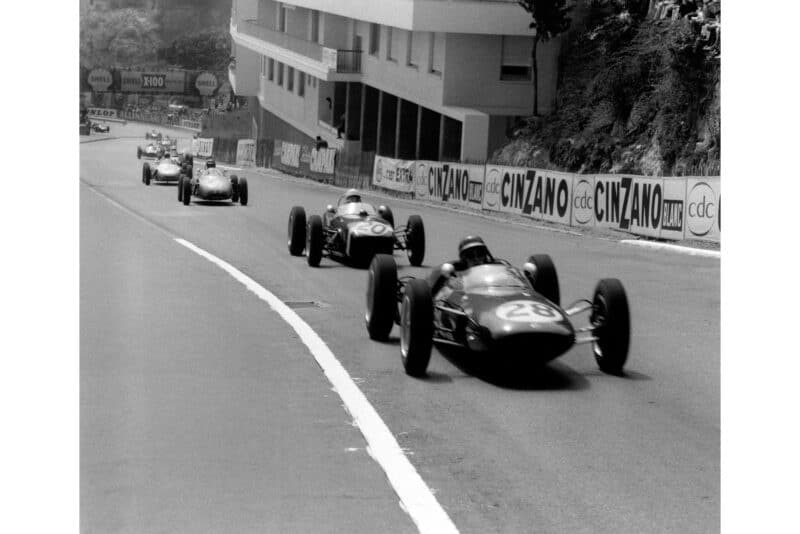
[634,96]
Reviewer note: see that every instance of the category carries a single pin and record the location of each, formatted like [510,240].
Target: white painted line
[415,496]
[673,248]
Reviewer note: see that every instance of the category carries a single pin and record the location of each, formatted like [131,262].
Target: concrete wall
[334,31]
[299,111]
[247,72]
[266,14]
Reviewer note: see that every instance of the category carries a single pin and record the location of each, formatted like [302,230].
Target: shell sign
[100,79]
[206,83]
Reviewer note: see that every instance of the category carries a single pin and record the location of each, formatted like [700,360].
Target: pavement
[202,411]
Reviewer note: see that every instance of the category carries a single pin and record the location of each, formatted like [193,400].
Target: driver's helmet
[352,195]
[210,164]
[473,251]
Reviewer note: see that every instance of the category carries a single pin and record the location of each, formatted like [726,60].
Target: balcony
[340,63]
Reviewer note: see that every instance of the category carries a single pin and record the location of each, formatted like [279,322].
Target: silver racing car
[212,183]
[164,169]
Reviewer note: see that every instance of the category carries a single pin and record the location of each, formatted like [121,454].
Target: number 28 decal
[527,311]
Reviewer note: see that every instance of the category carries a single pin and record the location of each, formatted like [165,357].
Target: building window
[301,83]
[410,50]
[271,69]
[281,17]
[280,73]
[290,79]
[515,64]
[389,43]
[374,38]
[314,37]
[436,52]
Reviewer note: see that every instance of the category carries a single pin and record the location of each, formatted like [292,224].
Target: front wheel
[416,327]
[146,176]
[242,187]
[235,189]
[315,238]
[545,279]
[180,189]
[138,152]
[415,240]
[187,192]
[611,321]
[381,296]
[297,230]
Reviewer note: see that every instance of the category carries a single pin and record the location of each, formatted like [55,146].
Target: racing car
[211,183]
[168,143]
[489,307]
[97,127]
[152,134]
[152,150]
[164,169]
[354,232]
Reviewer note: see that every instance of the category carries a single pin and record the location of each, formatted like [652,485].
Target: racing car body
[168,143]
[354,232]
[103,128]
[212,184]
[152,150]
[494,309]
[152,134]
[164,169]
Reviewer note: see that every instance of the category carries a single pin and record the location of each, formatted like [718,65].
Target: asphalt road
[201,411]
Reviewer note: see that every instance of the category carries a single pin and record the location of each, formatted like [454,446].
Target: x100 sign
[153,81]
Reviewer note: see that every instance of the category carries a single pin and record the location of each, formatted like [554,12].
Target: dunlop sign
[102,113]
[454,183]
[246,152]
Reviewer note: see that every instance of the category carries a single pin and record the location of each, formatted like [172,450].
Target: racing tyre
[187,192]
[381,296]
[138,152]
[235,188]
[314,243]
[386,214]
[415,240]
[297,231]
[545,281]
[611,321]
[416,327]
[242,187]
[146,176]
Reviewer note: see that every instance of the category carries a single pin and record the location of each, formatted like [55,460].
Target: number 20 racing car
[354,232]
[213,184]
[492,308]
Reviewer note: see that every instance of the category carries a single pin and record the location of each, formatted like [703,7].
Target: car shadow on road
[498,371]
[223,203]
[171,184]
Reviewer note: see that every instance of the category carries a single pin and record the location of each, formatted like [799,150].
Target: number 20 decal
[526,311]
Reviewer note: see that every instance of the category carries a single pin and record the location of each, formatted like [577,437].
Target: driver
[210,164]
[473,251]
[352,195]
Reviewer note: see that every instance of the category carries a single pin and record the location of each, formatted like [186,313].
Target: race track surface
[201,410]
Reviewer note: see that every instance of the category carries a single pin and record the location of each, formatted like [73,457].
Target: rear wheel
[545,280]
[416,327]
[180,188]
[235,188]
[297,230]
[187,192]
[242,191]
[415,240]
[381,297]
[611,321]
[314,243]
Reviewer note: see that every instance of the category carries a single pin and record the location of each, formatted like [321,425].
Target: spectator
[321,143]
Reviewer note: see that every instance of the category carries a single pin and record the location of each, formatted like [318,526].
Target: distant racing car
[354,231]
[151,150]
[487,306]
[212,183]
[153,134]
[103,128]
[168,143]
[164,169]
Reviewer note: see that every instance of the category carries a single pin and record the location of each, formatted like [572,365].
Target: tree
[204,50]
[549,20]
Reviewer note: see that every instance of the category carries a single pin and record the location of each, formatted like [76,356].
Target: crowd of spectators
[704,16]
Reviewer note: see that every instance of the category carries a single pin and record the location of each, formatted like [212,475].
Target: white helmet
[352,195]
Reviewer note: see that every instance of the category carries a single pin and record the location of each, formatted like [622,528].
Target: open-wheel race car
[100,128]
[164,169]
[211,183]
[487,306]
[354,232]
[152,150]
[152,134]
[168,143]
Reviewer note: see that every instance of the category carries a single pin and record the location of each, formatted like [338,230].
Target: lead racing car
[211,183]
[164,169]
[488,306]
[354,232]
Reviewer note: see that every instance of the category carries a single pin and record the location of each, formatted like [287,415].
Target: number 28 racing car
[487,306]
[212,183]
[354,232]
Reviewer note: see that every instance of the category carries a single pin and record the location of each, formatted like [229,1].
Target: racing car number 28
[526,311]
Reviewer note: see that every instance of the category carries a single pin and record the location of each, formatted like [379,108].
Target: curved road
[202,411]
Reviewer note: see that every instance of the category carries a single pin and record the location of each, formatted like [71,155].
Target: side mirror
[330,208]
[448,270]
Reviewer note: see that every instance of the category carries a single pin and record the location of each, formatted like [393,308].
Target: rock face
[635,96]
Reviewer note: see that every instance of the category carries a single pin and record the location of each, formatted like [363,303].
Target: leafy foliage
[121,36]
[205,50]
